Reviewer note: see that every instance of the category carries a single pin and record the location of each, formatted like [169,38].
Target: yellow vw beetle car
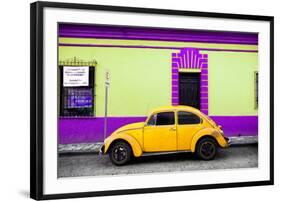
[167,129]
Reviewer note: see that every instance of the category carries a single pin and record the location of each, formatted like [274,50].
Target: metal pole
[105,111]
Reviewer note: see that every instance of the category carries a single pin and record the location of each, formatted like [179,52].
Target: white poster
[75,76]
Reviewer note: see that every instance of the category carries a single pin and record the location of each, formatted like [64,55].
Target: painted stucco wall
[232,83]
[145,75]
[140,80]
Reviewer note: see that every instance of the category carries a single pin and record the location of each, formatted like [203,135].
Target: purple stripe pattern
[153,47]
[89,130]
[158,34]
[191,58]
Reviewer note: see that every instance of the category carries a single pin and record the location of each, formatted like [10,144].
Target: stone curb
[95,147]
[80,148]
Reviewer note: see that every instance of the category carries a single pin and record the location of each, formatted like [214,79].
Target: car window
[152,120]
[187,118]
[165,118]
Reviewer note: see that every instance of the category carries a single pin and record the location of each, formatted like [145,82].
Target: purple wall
[87,130]
[238,125]
[159,34]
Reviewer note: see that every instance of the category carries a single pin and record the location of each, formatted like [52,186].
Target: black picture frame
[37,99]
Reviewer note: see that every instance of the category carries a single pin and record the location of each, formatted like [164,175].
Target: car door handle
[172,129]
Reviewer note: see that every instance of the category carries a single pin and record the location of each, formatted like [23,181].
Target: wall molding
[157,34]
[154,47]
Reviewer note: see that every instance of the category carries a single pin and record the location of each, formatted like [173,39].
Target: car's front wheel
[120,153]
[206,148]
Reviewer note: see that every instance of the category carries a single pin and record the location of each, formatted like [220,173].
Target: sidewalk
[95,147]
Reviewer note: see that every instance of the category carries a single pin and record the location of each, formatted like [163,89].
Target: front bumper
[228,141]
[101,150]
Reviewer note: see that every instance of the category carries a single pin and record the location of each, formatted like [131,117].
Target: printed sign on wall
[75,76]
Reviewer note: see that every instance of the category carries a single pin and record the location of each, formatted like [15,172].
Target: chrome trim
[164,153]
[229,142]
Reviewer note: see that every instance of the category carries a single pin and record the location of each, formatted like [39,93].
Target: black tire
[206,149]
[120,153]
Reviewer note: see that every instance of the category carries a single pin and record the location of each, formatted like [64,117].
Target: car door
[188,125]
[160,133]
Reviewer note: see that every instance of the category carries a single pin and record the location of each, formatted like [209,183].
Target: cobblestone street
[89,164]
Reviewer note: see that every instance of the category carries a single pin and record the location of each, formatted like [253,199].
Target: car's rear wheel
[206,149]
[120,153]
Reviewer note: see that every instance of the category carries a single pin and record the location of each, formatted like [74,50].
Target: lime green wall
[231,83]
[140,79]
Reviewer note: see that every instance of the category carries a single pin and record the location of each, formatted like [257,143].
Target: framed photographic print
[131,100]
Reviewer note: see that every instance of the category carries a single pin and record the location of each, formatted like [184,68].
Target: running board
[163,153]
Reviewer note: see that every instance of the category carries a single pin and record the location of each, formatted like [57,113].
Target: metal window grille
[80,100]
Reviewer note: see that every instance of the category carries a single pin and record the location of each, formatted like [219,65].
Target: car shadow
[163,158]
[222,154]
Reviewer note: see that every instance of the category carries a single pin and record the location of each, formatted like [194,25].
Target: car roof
[177,107]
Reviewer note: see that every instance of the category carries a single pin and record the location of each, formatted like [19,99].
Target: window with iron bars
[79,100]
